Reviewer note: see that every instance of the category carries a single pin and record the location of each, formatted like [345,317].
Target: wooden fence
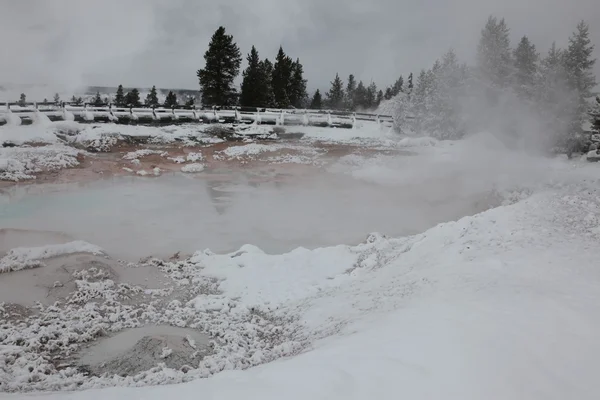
[28,113]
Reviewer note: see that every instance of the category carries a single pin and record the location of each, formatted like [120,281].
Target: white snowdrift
[22,163]
[30,257]
[191,168]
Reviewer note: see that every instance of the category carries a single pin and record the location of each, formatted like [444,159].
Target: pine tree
[171,100]
[526,67]
[360,96]
[190,102]
[398,86]
[388,93]
[371,100]
[282,73]
[410,82]
[56,99]
[97,102]
[317,102]
[22,100]
[350,90]
[132,98]
[120,97]
[253,82]
[579,61]
[493,53]
[297,87]
[78,101]
[223,60]
[379,97]
[595,114]
[267,75]
[335,96]
[152,98]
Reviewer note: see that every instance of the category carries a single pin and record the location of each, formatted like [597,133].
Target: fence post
[194,113]
[353,120]
[216,114]
[236,115]
[67,115]
[329,120]
[257,117]
[305,120]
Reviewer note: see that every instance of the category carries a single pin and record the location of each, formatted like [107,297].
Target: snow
[134,155]
[468,309]
[22,163]
[193,157]
[500,304]
[192,168]
[30,257]
[250,149]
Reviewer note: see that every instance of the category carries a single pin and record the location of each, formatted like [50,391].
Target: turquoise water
[137,217]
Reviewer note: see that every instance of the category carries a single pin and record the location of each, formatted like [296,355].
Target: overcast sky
[151,42]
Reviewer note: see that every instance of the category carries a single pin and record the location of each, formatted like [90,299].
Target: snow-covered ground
[502,303]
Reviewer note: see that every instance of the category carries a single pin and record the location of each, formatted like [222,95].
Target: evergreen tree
[493,53]
[388,93]
[371,100]
[579,62]
[595,114]
[297,87]
[282,73]
[350,91]
[267,75]
[120,97]
[152,98]
[132,98]
[410,82]
[73,99]
[171,100]
[360,96]
[335,96]
[317,102]
[97,102]
[189,102]
[253,91]
[22,100]
[56,99]
[379,97]
[398,86]
[78,101]
[526,67]
[223,60]
[45,100]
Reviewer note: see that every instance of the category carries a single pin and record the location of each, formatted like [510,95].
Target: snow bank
[250,149]
[192,168]
[134,155]
[22,163]
[30,257]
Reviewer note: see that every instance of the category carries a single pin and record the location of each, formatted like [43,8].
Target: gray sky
[162,42]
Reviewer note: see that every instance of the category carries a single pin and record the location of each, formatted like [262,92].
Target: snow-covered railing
[16,113]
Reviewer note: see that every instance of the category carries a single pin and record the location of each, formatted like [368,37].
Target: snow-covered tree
[526,67]
[595,115]
[360,96]
[152,98]
[379,97]
[579,63]
[410,83]
[493,53]
[56,99]
[335,96]
[223,60]
[22,100]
